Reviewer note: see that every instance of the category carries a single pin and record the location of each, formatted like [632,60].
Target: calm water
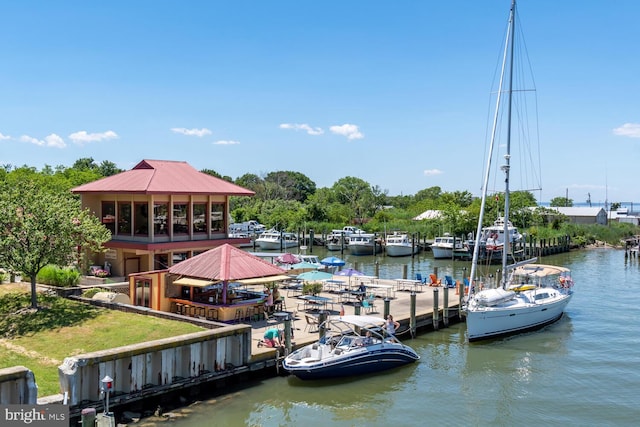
[583,370]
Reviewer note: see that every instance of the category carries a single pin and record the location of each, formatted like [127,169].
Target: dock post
[377,269]
[287,335]
[404,271]
[311,237]
[322,316]
[412,315]
[387,302]
[436,319]
[445,307]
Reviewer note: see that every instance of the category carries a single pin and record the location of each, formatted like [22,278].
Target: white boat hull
[401,250]
[518,315]
[441,253]
[275,246]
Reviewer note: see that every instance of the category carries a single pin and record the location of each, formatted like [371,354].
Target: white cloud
[223,142]
[4,137]
[192,132]
[52,140]
[631,130]
[83,137]
[303,126]
[348,130]
[432,172]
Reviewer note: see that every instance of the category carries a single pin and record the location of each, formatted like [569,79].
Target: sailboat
[530,295]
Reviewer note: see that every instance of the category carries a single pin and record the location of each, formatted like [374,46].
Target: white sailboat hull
[519,314]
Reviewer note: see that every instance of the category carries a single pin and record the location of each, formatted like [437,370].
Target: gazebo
[214,280]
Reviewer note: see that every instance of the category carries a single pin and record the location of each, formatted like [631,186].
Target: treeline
[290,200]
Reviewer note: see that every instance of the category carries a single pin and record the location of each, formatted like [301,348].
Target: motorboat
[337,240]
[352,345]
[443,247]
[313,260]
[276,240]
[530,295]
[364,244]
[399,244]
[492,238]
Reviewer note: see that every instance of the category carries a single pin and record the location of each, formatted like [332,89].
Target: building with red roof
[159,213]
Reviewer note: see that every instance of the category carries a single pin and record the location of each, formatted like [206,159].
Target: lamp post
[107,385]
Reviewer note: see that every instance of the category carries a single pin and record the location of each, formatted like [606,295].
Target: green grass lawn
[40,340]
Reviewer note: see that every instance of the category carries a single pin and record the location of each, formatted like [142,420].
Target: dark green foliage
[56,276]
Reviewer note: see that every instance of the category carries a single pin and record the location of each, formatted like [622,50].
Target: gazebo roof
[226,263]
[163,177]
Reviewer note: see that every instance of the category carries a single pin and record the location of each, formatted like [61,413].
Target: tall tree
[39,226]
[561,202]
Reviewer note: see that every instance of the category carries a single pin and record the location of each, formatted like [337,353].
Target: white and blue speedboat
[353,345]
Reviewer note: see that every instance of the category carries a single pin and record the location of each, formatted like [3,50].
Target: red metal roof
[163,177]
[226,263]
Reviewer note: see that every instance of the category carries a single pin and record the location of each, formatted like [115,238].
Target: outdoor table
[313,302]
[403,284]
[333,285]
[351,296]
[378,289]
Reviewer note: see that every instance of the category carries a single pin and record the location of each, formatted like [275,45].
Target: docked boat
[353,345]
[364,244]
[444,246]
[312,260]
[530,295]
[492,238]
[399,244]
[339,239]
[276,240]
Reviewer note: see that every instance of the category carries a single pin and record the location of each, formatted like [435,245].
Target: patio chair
[448,280]
[369,306]
[434,280]
[312,323]
[420,278]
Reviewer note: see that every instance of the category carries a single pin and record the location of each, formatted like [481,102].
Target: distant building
[159,213]
[583,215]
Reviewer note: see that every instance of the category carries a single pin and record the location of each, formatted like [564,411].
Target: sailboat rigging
[530,295]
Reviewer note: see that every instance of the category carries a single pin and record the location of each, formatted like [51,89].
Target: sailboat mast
[485,184]
[507,157]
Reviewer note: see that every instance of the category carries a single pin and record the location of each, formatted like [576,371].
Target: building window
[160,218]
[141,218]
[180,218]
[109,216]
[217,217]
[124,218]
[199,218]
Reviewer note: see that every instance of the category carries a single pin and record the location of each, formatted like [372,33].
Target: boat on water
[530,295]
[492,238]
[276,240]
[444,246]
[353,345]
[339,239]
[364,244]
[399,244]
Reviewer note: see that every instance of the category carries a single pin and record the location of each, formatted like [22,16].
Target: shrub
[56,276]
[313,288]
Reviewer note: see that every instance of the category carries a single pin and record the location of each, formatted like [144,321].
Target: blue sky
[395,93]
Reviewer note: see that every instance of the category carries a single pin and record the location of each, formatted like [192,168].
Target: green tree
[39,227]
[291,185]
[561,202]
